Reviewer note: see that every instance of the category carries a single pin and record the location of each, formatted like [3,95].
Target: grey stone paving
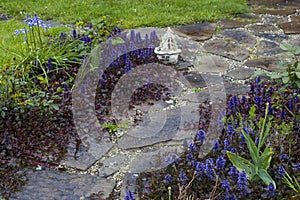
[54,185]
[240,36]
[197,32]
[243,45]
[226,48]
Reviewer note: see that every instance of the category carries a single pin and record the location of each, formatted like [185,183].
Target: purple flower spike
[17,32]
[200,137]
[283,157]
[242,182]
[129,195]
[226,185]
[147,42]
[230,197]
[291,104]
[226,143]
[138,39]
[258,101]
[209,168]
[233,172]
[232,149]
[257,80]
[271,189]
[74,34]
[182,176]
[252,88]
[283,113]
[230,129]
[281,171]
[36,62]
[244,99]
[168,178]
[49,64]
[132,36]
[200,167]
[192,147]
[220,163]
[297,167]
[216,145]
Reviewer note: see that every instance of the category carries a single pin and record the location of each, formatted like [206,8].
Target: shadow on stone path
[235,47]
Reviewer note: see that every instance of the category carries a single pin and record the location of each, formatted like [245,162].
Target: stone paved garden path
[221,57]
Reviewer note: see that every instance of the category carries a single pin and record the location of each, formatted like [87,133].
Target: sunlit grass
[133,13]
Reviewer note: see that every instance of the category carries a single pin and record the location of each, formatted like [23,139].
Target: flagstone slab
[295,41]
[292,27]
[86,156]
[236,88]
[268,63]
[154,159]
[283,12]
[273,37]
[111,165]
[242,37]
[274,19]
[241,73]
[197,32]
[209,63]
[259,28]
[52,184]
[232,23]
[275,3]
[228,49]
[268,48]
[161,126]
[198,80]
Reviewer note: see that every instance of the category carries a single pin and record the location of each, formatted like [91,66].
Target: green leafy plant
[99,29]
[261,162]
[197,89]
[16,91]
[289,72]
[112,127]
[44,54]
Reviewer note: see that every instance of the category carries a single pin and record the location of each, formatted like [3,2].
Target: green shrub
[289,72]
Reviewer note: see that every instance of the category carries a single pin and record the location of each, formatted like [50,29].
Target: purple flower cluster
[242,182]
[35,21]
[32,22]
[134,48]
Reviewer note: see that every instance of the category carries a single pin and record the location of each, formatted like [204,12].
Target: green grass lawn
[133,13]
